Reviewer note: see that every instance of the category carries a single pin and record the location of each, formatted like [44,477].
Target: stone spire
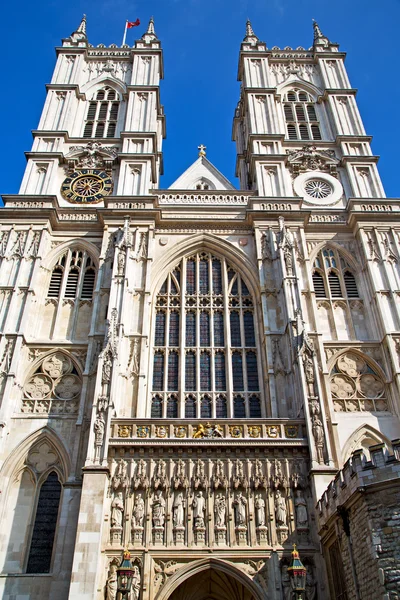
[150,34]
[250,37]
[319,38]
[80,34]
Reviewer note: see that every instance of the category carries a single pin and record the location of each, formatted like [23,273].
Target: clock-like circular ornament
[319,189]
[86,186]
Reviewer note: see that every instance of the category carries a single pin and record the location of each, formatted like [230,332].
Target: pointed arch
[196,567]
[305,86]
[205,242]
[102,81]
[51,258]
[363,437]
[370,362]
[353,263]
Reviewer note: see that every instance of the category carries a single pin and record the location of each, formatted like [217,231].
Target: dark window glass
[237,371]
[291,131]
[319,285]
[190,329]
[255,407]
[92,111]
[55,283]
[100,129]
[88,284]
[190,371]
[252,374]
[350,284]
[203,277]
[239,409]
[205,372]
[205,408]
[156,407]
[44,529]
[111,130]
[158,372]
[249,328]
[221,411]
[87,132]
[174,328]
[204,328]
[72,283]
[312,115]
[219,338]
[304,135]
[288,112]
[190,276]
[103,110]
[316,133]
[216,276]
[160,329]
[190,407]
[173,369]
[172,408]
[220,375]
[300,113]
[235,329]
[334,285]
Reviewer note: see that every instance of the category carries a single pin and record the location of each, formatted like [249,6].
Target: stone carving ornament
[178,514]
[240,504]
[117,510]
[199,508]
[138,511]
[259,505]
[355,386]
[158,509]
[220,510]
[112,584]
[53,387]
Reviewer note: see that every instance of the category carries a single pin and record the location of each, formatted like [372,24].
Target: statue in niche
[135,589]
[265,246]
[199,508]
[138,511]
[260,510]
[158,508]
[240,504]
[301,509]
[220,510]
[117,510]
[280,509]
[286,585]
[121,263]
[311,584]
[319,437]
[177,510]
[112,584]
[99,427]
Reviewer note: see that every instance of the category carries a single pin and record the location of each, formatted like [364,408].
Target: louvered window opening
[102,115]
[301,117]
[73,276]
[205,347]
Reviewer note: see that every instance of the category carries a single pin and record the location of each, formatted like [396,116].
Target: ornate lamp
[297,572]
[125,573]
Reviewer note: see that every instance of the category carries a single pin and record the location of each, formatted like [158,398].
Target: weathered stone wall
[361,510]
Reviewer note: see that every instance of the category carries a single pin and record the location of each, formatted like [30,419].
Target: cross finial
[202,150]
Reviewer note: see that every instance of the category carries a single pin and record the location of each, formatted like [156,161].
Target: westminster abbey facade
[184,372]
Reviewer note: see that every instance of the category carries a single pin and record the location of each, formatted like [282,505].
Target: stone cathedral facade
[183,371]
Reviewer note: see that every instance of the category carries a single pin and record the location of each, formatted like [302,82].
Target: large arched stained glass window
[205,343]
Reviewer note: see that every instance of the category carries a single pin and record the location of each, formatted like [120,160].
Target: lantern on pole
[297,573]
[125,574]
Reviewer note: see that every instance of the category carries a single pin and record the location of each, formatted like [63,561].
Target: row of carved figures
[195,508]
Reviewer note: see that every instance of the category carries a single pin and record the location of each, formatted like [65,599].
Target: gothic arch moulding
[101,81]
[205,242]
[353,263]
[370,361]
[51,258]
[300,84]
[16,462]
[362,438]
[198,567]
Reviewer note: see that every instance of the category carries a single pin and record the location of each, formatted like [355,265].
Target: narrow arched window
[301,116]
[319,284]
[102,115]
[333,277]
[44,528]
[73,276]
[206,310]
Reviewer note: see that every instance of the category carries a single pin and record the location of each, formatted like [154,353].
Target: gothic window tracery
[301,116]
[333,276]
[356,386]
[73,276]
[54,386]
[205,342]
[102,114]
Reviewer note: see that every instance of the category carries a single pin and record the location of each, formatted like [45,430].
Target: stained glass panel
[174,328]
[216,276]
[204,328]
[172,407]
[156,407]
[160,329]
[190,371]
[190,276]
[158,372]
[221,411]
[190,407]
[173,369]
[203,276]
[252,375]
[237,371]
[255,407]
[190,328]
[220,374]
[239,409]
[235,329]
[205,408]
[219,337]
[205,372]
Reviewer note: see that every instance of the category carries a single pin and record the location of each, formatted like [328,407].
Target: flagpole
[124,38]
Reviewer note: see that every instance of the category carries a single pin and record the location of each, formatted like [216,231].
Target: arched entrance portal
[211,584]
[210,579]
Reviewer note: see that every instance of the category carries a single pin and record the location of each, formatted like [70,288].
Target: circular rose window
[318,188]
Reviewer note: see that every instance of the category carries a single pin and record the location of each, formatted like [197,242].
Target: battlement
[357,475]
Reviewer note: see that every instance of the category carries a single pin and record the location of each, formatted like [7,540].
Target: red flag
[131,24]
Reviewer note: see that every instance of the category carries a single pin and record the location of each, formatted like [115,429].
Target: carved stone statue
[138,511]
[286,585]
[199,507]
[260,510]
[319,437]
[177,510]
[121,262]
[117,510]
[311,585]
[220,510]
[158,508]
[112,584]
[99,428]
[301,509]
[240,504]
[135,590]
[280,509]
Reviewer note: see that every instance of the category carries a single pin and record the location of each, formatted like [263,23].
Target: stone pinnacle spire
[250,36]
[82,26]
[150,34]
[319,38]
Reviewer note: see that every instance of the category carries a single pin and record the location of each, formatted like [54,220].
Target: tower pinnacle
[79,35]
[150,34]
[82,26]
[250,36]
[319,38]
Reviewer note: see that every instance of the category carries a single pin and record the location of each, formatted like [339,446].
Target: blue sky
[201,40]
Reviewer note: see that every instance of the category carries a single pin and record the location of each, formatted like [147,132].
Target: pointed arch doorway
[210,579]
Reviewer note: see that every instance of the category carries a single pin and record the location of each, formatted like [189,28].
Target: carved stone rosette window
[205,362]
[355,386]
[54,387]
